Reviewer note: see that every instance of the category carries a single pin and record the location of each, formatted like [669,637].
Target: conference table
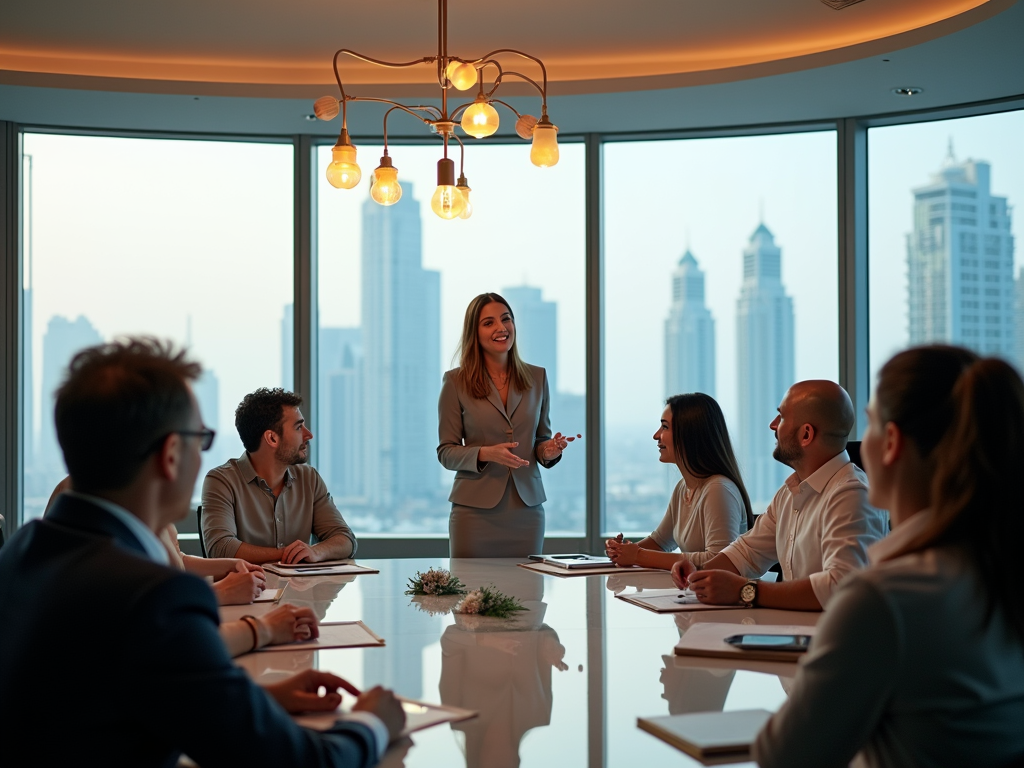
[562,684]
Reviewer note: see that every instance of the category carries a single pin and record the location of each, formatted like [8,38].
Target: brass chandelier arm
[507,106]
[396,105]
[503,74]
[543,69]
[370,60]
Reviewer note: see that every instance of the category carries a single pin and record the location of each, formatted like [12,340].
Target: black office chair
[199,525]
[853,448]
[1,531]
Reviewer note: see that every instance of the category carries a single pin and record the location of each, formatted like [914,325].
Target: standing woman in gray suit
[494,431]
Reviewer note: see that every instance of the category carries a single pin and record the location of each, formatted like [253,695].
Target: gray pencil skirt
[510,529]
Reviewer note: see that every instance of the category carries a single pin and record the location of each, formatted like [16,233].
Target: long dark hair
[977,460]
[472,373]
[701,442]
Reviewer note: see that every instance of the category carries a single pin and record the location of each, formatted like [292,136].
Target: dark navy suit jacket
[107,658]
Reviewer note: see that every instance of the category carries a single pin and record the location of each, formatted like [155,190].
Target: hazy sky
[903,157]
[139,235]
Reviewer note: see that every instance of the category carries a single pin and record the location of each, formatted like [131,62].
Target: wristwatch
[748,594]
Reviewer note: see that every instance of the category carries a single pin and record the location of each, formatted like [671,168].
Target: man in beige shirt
[265,505]
[819,525]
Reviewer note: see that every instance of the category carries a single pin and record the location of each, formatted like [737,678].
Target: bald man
[819,525]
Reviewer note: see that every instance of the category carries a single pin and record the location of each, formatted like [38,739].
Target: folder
[706,736]
[708,640]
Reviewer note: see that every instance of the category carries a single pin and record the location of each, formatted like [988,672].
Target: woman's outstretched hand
[551,449]
[502,454]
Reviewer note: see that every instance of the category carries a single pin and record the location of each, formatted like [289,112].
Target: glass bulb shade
[468,210]
[447,202]
[544,152]
[386,190]
[343,172]
[462,75]
[480,119]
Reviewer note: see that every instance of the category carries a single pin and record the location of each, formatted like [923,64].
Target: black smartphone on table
[756,642]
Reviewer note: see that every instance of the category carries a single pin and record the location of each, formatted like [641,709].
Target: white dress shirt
[702,521]
[819,529]
[904,671]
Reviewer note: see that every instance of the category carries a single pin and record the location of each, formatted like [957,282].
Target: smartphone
[795,643]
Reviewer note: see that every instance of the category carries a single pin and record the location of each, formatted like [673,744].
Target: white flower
[472,603]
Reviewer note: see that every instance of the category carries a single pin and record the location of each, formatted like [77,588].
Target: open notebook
[418,715]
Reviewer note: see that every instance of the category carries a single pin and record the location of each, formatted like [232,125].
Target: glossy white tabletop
[561,685]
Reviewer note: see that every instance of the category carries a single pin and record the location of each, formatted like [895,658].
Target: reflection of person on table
[265,505]
[709,506]
[494,431]
[88,603]
[819,525]
[506,677]
[919,659]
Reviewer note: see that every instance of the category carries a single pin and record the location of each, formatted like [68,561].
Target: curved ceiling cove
[245,46]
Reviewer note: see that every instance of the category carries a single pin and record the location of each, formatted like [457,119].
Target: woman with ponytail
[919,659]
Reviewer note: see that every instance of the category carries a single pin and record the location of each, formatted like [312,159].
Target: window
[721,278]
[920,282]
[186,240]
[394,286]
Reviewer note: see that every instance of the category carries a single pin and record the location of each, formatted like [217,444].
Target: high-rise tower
[536,329]
[960,262]
[401,324]
[689,333]
[765,365]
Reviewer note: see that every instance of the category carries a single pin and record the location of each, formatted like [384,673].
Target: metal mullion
[594,340]
[11,325]
[852,178]
[306,280]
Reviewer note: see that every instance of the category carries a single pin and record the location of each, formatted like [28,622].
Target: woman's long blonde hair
[472,372]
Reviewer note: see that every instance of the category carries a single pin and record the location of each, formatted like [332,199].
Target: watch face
[748,593]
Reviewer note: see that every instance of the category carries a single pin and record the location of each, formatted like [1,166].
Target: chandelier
[477,118]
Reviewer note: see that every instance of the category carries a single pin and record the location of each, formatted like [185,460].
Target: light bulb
[343,172]
[462,75]
[480,119]
[447,202]
[386,190]
[464,188]
[544,152]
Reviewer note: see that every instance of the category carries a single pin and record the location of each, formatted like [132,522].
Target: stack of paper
[326,568]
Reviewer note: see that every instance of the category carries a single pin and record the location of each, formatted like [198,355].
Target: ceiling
[254,66]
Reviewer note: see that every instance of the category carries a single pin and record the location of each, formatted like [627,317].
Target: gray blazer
[465,423]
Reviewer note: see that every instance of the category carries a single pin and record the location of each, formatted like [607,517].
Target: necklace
[501,382]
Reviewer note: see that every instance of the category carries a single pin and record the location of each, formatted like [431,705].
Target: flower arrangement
[488,601]
[435,582]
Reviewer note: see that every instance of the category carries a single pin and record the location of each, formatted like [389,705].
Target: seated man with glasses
[90,609]
[265,505]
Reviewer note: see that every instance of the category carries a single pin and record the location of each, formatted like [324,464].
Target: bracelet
[251,623]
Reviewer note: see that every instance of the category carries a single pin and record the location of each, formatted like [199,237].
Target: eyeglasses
[206,434]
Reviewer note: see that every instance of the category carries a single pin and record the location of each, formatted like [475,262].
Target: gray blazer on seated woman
[494,431]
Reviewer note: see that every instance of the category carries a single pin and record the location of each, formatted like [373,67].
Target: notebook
[708,640]
[707,735]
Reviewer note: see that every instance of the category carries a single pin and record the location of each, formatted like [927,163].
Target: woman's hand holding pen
[622,551]
[551,449]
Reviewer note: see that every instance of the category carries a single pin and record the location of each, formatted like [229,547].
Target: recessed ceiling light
[838,5]
[311,118]
[908,90]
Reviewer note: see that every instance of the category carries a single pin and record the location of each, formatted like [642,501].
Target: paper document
[326,568]
[709,735]
[708,640]
[670,601]
[269,596]
[337,634]
[557,570]
[418,715]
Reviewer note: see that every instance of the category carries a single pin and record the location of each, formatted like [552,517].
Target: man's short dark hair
[117,400]
[262,410]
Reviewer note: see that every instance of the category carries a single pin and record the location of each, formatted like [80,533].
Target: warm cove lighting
[477,118]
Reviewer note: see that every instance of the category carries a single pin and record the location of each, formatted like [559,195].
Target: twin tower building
[764,349]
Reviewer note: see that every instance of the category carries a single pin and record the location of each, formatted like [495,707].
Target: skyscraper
[401,322]
[689,333]
[63,338]
[341,411]
[765,366]
[536,329]
[960,262]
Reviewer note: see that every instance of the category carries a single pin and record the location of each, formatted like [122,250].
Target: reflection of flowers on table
[488,601]
[436,581]
[435,605]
